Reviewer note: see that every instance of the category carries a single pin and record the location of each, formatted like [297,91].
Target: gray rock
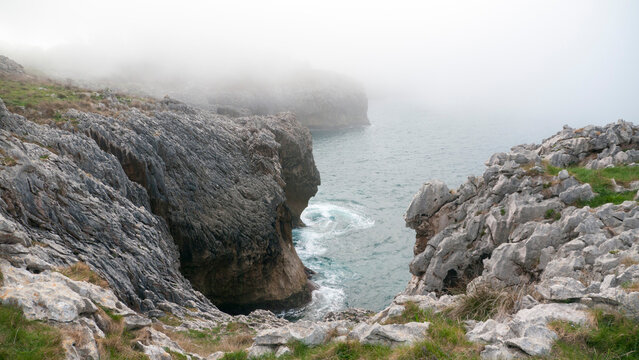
[563,174]
[216,355]
[561,288]
[577,193]
[283,350]
[427,201]
[391,335]
[154,179]
[135,322]
[258,350]
[306,332]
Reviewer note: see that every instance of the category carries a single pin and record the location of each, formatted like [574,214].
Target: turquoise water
[355,236]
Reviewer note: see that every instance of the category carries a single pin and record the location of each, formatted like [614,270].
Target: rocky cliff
[147,192]
[529,227]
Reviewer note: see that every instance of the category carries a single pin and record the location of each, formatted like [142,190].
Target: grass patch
[82,272]
[630,286]
[601,183]
[175,355]
[22,339]
[170,320]
[112,315]
[336,351]
[446,336]
[44,101]
[628,261]
[552,170]
[236,355]
[230,338]
[31,94]
[8,161]
[483,304]
[552,214]
[612,336]
[118,344]
[411,313]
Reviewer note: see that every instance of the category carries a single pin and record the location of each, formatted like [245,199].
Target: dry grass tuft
[230,338]
[630,286]
[118,342]
[82,272]
[484,303]
[628,261]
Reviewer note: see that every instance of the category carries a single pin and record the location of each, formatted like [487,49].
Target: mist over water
[355,236]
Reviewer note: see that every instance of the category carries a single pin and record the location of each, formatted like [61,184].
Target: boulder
[577,193]
[428,200]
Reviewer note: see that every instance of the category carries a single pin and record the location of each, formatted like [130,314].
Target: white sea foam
[325,222]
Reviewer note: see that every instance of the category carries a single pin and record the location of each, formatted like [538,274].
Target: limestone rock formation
[519,228]
[160,190]
[10,67]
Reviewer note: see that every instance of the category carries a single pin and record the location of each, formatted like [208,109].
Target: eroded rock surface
[114,192]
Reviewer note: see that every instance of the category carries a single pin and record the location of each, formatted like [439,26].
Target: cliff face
[161,189]
[537,232]
[510,207]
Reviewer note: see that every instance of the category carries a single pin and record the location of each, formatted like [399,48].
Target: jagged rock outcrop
[518,228]
[120,194]
[10,67]
[56,211]
[507,210]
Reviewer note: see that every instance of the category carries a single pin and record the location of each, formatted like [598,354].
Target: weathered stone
[390,335]
[430,198]
[134,322]
[577,193]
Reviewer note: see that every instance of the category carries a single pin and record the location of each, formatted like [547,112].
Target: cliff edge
[145,191]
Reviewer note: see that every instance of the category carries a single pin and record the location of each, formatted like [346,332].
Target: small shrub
[502,211]
[411,313]
[9,161]
[44,157]
[483,304]
[552,214]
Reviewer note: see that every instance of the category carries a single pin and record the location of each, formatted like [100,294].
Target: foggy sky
[552,62]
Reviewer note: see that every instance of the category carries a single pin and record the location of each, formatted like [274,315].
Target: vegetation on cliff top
[45,101]
[601,181]
[610,336]
[22,339]
[231,337]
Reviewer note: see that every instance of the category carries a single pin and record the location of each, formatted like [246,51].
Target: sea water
[355,237]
